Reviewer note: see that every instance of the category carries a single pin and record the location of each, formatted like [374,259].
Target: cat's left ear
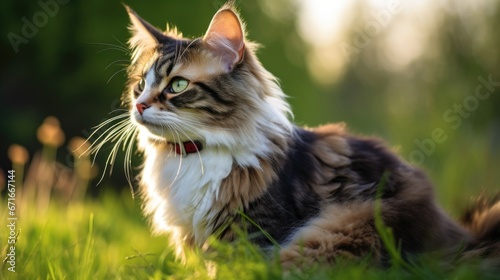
[144,35]
[225,37]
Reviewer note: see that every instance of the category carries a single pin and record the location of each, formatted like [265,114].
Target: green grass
[109,239]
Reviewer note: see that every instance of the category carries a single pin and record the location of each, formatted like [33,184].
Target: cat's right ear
[226,37]
[144,35]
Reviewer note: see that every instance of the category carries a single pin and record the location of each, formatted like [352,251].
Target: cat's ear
[225,36]
[144,35]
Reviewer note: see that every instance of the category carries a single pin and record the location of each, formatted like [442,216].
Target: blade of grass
[266,234]
[87,261]
[386,234]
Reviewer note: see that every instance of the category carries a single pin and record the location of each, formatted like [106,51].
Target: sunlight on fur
[214,130]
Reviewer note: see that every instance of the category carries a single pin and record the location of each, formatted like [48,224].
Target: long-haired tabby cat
[219,149]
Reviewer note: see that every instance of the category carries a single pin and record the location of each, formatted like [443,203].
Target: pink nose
[141,107]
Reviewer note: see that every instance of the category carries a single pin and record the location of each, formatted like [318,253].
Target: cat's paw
[299,258]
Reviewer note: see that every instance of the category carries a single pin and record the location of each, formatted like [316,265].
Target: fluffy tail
[483,222]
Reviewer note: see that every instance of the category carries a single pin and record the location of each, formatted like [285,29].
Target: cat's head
[210,89]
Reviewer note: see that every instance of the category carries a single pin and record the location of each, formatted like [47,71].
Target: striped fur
[312,190]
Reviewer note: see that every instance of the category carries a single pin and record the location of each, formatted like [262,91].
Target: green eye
[177,85]
[141,85]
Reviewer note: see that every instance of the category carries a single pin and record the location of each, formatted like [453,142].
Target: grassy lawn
[109,239]
[61,235]
[417,75]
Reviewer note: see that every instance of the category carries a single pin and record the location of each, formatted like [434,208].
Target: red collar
[188,147]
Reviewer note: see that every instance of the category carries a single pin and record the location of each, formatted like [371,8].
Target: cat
[220,153]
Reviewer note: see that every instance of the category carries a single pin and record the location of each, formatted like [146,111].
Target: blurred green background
[399,70]
[424,75]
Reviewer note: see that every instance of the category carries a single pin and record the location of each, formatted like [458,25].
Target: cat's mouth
[158,132]
[144,120]
[153,128]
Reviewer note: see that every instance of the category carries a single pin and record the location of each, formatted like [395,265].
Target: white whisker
[121,133]
[187,47]
[112,76]
[110,46]
[111,49]
[120,110]
[116,61]
[176,135]
[122,45]
[127,164]
[197,151]
[109,134]
[97,130]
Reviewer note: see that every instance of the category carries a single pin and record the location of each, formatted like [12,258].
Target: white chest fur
[180,191]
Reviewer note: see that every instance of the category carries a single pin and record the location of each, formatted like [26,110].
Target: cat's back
[323,165]
[328,171]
